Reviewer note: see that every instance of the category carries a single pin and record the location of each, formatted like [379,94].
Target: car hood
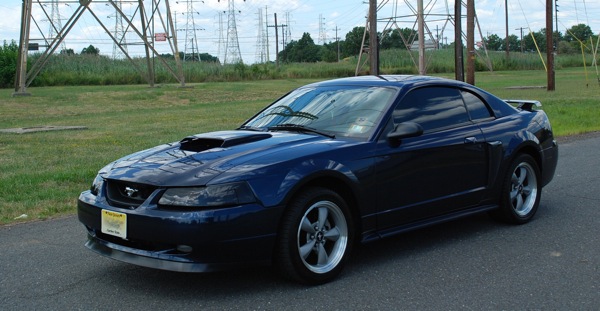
[198,159]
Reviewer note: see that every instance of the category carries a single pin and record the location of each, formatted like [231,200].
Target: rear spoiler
[523,104]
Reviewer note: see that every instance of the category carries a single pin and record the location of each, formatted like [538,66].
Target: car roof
[386,80]
[408,82]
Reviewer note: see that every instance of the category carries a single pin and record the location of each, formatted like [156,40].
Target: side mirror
[404,130]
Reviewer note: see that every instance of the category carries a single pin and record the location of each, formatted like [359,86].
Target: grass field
[42,174]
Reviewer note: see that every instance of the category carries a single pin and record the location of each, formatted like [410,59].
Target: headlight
[99,180]
[209,196]
[97,185]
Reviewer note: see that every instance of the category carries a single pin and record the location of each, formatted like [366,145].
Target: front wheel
[315,237]
[521,191]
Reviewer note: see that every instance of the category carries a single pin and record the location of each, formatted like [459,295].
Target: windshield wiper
[299,128]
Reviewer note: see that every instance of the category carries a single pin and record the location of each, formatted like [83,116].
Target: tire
[315,237]
[521,191]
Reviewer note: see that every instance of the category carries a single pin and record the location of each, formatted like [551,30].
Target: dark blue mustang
[325,166]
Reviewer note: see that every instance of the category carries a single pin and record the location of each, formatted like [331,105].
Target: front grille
[127,195]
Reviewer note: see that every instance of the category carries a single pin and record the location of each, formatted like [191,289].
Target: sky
[320,18]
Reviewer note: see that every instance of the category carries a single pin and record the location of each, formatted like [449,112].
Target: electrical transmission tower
[191,51]
[261,40]
[221,42]
[322,30]
[421,37]
[287,31]
[55,23]
[232,50]
[141,23]
[120,44]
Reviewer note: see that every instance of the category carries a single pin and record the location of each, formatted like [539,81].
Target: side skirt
[373,236]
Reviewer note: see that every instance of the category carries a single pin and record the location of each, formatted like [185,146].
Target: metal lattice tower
[191,41]
[287,35]
[221,43]
[136,25]
[261,40]
[232,50]
[322,30]
[55,23]
[119,33]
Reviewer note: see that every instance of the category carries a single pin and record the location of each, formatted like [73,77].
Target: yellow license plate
[114,223]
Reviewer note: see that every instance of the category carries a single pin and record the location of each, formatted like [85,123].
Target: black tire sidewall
[506,211]
[287,255]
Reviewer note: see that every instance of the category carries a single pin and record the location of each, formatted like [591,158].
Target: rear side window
[434,108]
[478,110]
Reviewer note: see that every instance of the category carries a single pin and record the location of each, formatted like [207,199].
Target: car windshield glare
[348,111]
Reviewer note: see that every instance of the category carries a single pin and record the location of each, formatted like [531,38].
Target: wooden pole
[459,71]
[550,46]
[471,42]
[421,30]
[373,40]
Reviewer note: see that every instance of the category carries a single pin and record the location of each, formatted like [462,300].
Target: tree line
[305,49]
[570,42]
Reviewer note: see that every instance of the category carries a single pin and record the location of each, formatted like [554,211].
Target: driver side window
[434,108]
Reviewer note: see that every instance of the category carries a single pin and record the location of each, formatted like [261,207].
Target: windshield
[339,110]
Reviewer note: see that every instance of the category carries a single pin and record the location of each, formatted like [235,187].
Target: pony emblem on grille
[130,192]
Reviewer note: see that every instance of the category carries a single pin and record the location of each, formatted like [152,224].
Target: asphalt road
[552,263]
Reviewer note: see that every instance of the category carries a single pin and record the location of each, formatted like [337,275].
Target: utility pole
[421,31]
[507,41]
[521,28]
[276,41]
[556,21]
[459,71]
[471,42]
[549,46]
[373,40]
[337,39]
[276,26]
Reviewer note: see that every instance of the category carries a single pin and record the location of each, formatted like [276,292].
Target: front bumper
[191,241]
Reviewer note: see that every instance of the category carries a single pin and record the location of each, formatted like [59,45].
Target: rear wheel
[315,237]
[521,191]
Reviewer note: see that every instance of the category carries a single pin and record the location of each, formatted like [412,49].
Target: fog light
[184,248]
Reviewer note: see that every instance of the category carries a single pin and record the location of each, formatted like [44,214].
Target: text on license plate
[114,223]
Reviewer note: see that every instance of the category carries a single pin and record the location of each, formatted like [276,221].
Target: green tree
[329,52]
[529,44]
[514,44]
[67,52]
[302,51]
[494,43]
[8,63]
[353,42]
[90,50]
[580,32]
[396,38]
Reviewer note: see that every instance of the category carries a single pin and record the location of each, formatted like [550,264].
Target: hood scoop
[199,144]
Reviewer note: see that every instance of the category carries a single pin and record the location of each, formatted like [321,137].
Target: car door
[441,171]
